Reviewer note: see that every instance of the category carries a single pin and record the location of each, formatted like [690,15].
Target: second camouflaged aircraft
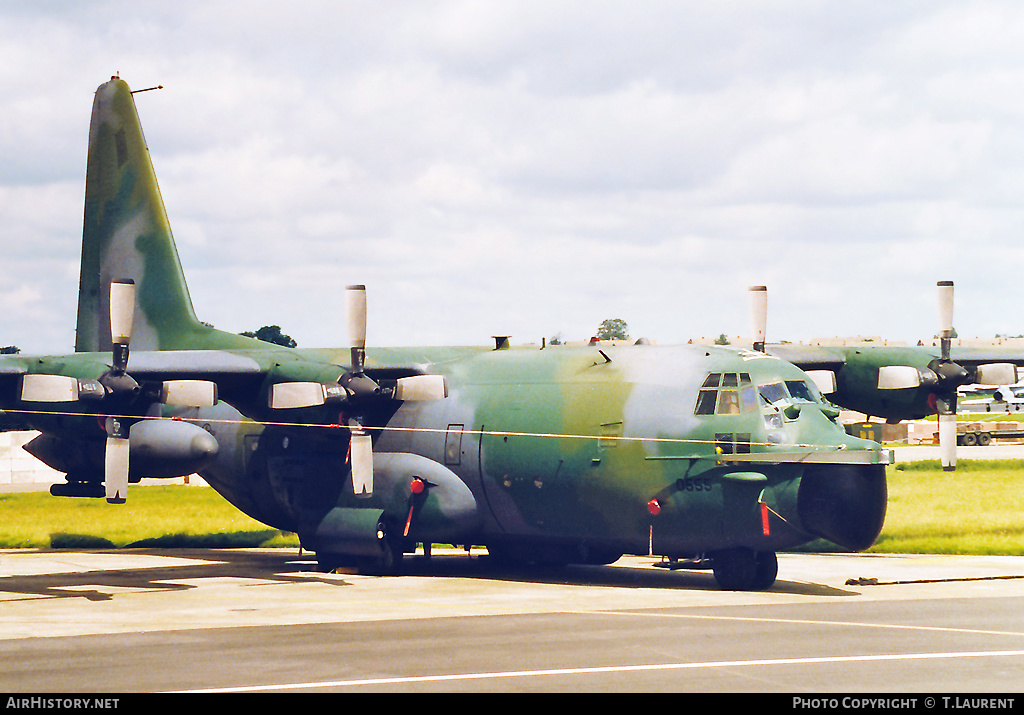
[708,456]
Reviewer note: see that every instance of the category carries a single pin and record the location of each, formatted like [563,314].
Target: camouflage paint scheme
[554,455]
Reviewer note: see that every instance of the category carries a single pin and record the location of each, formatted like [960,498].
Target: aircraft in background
[1008,395]
[898,383]
[979,398]
[708,456]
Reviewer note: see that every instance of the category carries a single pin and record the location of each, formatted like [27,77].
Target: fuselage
[638,449]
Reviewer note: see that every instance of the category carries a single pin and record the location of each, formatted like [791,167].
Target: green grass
[162,516]
[978,509]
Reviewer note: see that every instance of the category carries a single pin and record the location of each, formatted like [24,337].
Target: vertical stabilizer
[127,236]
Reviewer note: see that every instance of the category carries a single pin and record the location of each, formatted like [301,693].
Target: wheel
[518,556]
[744,569]
[328,562]
[389,563]
[970,439]
[767,570]
[984,439]
[735,569]
[596,556]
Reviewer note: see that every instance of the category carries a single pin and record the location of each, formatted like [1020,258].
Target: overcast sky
[532,168]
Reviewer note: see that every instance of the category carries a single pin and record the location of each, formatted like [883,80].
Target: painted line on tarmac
[798,621]
[402,680]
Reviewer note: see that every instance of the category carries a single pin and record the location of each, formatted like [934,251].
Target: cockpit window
[773,394]
[800,391]
[726,393]
[779,394]
[728,403]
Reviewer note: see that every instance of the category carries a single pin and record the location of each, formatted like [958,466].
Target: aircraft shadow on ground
[284,566]
[101,584]
[612,576]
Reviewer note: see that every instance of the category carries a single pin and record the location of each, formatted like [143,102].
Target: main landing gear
[743,569]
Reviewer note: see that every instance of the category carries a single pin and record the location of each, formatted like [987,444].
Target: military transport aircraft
[897,383]
[708,456]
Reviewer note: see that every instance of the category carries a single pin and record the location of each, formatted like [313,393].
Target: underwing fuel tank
[162,449]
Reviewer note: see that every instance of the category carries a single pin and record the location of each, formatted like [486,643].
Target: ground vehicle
[969,434]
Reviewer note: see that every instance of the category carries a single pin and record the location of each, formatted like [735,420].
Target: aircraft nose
[844,503]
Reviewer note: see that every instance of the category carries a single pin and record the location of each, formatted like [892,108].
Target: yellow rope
[427,430]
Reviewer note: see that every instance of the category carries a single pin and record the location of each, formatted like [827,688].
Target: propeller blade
[189,393]
[758,315]
[289,395]
[355,303]
[122,311]
[355,381]
[825,380]
[115,461]
[996,373]
[49,388]
[122,318]
[945,316]
[361,461]
[421,387]
[945,306]
[947,442]
[59,388]
[898,377]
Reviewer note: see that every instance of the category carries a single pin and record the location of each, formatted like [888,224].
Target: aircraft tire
[515,557]
[735,569]
[602,558]
[328,563]
[389,563]
[767,570]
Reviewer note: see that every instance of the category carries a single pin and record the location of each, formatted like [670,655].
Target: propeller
[125,399]
[951,376]
[357,391]
[943,376]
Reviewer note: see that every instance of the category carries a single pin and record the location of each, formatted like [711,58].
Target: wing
[100,398]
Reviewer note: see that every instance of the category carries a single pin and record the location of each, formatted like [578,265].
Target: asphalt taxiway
[264,620]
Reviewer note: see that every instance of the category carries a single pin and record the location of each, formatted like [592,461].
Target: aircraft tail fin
[127,235]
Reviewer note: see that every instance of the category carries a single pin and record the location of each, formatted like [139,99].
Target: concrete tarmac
[264,620]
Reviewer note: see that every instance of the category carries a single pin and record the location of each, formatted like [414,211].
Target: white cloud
[534,167]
